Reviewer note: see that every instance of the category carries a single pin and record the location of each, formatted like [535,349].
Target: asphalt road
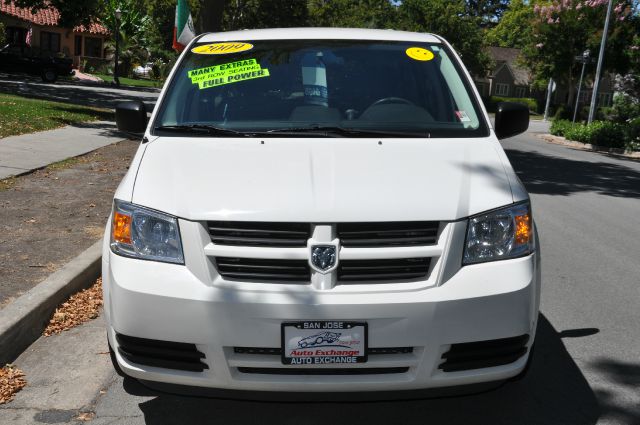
[102,96]
[586,368]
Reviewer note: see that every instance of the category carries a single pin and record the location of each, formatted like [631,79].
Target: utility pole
[584,59]
[596,83]
[550,88]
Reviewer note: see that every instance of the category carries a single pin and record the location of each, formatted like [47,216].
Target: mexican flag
[183,30]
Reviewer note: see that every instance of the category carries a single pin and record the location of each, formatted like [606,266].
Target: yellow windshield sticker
[419,54]
[227,73]
[222,48]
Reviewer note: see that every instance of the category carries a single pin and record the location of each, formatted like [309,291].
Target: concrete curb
[559,140]
[23,320]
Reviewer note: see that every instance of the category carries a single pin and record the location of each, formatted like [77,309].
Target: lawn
[20,115]
[128,81]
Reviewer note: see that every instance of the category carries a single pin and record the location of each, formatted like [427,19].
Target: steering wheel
[390,100]
[386,100]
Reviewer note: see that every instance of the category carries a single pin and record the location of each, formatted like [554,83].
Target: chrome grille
[241,233]
[396,269]
[264,270]
[388,234]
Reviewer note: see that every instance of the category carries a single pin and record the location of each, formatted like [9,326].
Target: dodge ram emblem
[323,257]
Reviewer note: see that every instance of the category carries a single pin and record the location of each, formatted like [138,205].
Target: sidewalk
[28,152]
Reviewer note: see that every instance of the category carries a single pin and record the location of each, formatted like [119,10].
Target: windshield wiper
[204,129]
[346,132]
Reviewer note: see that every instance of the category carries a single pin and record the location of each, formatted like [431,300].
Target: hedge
[532,104]
[600,133]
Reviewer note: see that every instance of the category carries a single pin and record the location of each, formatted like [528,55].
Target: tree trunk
[210,16]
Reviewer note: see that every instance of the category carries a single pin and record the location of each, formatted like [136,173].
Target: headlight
[146,234]
[498,235]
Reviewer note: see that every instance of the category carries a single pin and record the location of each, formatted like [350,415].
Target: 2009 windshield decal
[227,73]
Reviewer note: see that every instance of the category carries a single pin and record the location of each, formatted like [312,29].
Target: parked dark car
[28,60]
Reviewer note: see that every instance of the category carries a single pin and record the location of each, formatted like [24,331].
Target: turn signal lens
[523,229]
[121,227]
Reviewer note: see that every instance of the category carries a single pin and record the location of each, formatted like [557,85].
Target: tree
[515,27]
[2,36]
[449,19]
[353,13]
[72,13]
[562,30]
[489,11]
[240,14]
[209,19]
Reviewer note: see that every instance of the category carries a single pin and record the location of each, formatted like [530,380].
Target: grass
[64,164]
[21,115]
[7,183]
[128,81]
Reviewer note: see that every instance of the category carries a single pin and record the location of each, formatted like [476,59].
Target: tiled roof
[47,17]
[500,55]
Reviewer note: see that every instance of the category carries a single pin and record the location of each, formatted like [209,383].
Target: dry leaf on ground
[11,381]
[80,308]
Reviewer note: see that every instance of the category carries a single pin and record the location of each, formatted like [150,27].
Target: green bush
[632,138]
[600,133]
[532,104]
[2,34]
[562,113]
[559,127]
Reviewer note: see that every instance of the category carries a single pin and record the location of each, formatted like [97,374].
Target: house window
[93,47]
[16,35]
[49,41]
[520,91]
[502,89]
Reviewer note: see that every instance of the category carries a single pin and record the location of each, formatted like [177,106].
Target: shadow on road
[553,392]
[551,175]
[101,97]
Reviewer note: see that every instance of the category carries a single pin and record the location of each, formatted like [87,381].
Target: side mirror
[511,119]
[131,117]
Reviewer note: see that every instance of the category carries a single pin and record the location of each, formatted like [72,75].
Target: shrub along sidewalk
[623,136]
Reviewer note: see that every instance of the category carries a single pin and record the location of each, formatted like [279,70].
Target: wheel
[303,344]
[390,100]
[49,75]
[319,341]
[387,100]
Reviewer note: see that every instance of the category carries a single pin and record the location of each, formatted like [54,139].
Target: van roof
[319,34]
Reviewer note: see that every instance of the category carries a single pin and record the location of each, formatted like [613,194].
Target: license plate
[324,342]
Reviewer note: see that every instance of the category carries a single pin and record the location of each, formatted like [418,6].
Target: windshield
[320,87]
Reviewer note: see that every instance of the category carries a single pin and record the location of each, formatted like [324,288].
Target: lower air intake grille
[323,371]
[478,355]
[164,354]
[388,234]
[397,269]
[251,233]
[264,270]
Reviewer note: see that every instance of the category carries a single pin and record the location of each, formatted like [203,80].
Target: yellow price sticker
[222,48]
[420,54]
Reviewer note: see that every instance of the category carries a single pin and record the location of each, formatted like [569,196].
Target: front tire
[49,75]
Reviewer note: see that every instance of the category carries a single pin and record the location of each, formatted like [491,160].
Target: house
[80,43]
[507,78]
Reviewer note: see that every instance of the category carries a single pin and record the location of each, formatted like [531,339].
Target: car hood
[322,180]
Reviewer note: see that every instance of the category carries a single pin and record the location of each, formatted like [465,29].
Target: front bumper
[172,303]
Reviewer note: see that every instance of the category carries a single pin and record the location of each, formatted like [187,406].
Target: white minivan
[321,210]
